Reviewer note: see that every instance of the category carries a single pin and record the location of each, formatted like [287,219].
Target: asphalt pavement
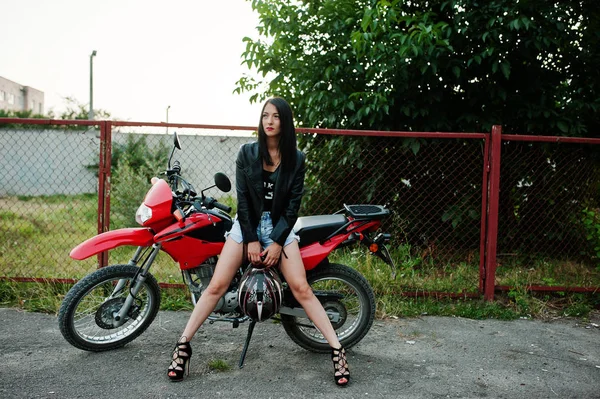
[427,357]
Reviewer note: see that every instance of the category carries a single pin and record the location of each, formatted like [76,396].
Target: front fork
[120,317]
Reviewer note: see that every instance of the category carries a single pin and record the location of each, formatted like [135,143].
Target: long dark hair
[287,137]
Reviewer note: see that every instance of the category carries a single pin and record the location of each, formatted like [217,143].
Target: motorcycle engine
[204,272]
[227,303]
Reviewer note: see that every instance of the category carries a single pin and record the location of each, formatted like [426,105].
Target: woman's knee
[217,288]
[228,263]
[301,290]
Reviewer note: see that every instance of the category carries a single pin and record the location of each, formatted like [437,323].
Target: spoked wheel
[88,317]
[348,299]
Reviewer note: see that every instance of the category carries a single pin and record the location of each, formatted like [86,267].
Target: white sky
[150,54]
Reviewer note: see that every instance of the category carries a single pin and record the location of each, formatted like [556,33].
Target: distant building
[16,97]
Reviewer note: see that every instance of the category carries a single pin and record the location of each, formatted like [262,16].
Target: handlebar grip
[222,207]
[176,167]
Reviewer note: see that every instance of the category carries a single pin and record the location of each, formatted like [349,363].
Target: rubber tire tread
[83,286]
[344,272]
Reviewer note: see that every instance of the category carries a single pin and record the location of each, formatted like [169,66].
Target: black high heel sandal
[340,365]
[180,362]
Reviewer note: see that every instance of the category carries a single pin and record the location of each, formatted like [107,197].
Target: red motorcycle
[115,304]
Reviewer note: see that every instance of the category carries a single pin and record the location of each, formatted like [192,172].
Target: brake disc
[105,313]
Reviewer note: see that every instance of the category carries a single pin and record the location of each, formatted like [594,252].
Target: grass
[219,365]
[413,274]
[46,297]
[33,297]
[37,234]
[396,306]
[175,299]
[547,272]
[400,297]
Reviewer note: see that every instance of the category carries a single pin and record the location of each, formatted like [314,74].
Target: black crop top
[269,179]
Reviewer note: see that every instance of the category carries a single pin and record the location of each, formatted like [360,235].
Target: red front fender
[139,237]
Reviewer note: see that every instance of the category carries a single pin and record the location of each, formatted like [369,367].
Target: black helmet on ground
[260,294]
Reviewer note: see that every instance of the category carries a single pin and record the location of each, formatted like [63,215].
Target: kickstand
[250,329]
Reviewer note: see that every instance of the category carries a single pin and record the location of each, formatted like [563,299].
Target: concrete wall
[48,162]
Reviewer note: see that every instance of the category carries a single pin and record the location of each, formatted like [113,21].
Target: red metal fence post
[104,185]
[493,194]
[108,174]
[101,181]
[484,214]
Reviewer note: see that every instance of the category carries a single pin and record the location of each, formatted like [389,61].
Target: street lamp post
[168,118]
[91,112]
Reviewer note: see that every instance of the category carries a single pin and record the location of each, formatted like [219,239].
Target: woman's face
[270,121]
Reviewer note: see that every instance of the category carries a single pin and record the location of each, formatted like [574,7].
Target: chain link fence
[432,187]
[204,152]
[48,198]
[434,184]
[549,208]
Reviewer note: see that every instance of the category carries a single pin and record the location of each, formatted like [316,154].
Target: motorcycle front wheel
[343,292]
[87,314]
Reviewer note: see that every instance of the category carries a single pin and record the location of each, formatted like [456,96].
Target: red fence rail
[455,197]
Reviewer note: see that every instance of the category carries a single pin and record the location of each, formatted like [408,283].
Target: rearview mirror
[222,181]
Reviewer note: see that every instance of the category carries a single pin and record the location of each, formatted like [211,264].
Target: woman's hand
[271,255]
[254,249]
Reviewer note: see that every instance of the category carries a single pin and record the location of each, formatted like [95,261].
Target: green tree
[459,65]
[19,114]
[78,111]
[454,65]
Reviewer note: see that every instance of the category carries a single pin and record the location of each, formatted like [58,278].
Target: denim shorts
[264,229]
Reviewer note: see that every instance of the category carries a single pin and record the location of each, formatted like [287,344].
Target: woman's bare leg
[229,261]
[295,275]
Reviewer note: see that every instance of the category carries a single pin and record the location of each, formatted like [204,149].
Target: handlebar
[176,167]
[222,207]
[189,194]
[210,202]
[175,170]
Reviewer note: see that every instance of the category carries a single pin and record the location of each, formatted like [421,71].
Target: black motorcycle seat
[315,228]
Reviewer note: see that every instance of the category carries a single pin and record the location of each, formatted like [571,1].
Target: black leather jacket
[286,199]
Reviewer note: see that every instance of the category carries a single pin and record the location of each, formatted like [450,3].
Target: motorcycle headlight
[143,214]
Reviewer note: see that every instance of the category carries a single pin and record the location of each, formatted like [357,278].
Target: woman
[270,184]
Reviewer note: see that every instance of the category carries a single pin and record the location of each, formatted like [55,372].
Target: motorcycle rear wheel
[355,308]
[86,314]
